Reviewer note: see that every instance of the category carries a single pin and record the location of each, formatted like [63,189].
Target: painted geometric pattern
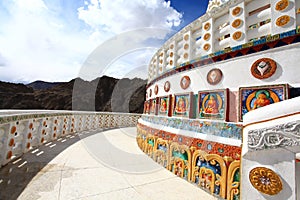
[212,166]
[221,129]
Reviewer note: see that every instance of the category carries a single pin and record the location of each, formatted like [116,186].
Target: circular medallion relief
[283,20]
[214,76]
[186,37]
[265,180]
[156,89]
[236,11]
[186,46]
[263,68]
[237,35]
[186,56]
[206,36]
[167,86]
[185,82]
[281,5]
[207,26]
[206,47]
[237,23]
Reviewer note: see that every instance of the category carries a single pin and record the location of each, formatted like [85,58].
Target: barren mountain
[102,94]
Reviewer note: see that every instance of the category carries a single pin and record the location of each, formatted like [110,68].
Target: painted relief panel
[163,105]
[147,107]
[212,104]
[181,105]
[152,106]
[252,98]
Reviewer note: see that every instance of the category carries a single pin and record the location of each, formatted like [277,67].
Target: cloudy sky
[58,40]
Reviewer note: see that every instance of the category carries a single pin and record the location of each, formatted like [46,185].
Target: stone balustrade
[271,142]
[21,131]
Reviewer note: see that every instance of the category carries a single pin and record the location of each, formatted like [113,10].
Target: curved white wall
[237,73]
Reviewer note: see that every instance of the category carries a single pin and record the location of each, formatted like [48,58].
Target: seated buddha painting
[153,106]
[181,105]
[147,107]
[212,104]
[252,98]
[163,105]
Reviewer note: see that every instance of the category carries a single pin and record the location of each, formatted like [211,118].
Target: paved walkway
[99,165]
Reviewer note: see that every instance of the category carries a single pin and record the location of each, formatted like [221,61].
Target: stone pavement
[93,165]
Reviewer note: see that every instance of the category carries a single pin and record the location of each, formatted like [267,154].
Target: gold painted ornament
[237,23]
[236,11]
[186,37]
[206,47]
[207,26]
[237,35]
[186,56]
[206,36]
[186,46]
[265,180]
[281,5]
[283,20]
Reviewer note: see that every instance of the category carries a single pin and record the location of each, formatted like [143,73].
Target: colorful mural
[153,106]
[181,105]
[217,128]
[163,105]
[213,166]
[212,104]
[147,107]
[252,98]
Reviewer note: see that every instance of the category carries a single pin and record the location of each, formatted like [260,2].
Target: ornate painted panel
[252,98]
[212,166]
[212,104]
[147,107]
[153,106]
[217,128]
[163,105]
[181,105]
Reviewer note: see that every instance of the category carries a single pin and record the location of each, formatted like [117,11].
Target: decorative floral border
[217,128]
[199,144]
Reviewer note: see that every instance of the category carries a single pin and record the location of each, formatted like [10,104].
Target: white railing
[21,131]
[271,142]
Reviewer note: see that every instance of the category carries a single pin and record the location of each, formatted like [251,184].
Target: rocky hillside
[101,94]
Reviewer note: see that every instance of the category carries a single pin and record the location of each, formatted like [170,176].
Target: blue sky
[54,40]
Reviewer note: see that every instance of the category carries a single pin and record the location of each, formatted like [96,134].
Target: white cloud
[37,43]
[119,15]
